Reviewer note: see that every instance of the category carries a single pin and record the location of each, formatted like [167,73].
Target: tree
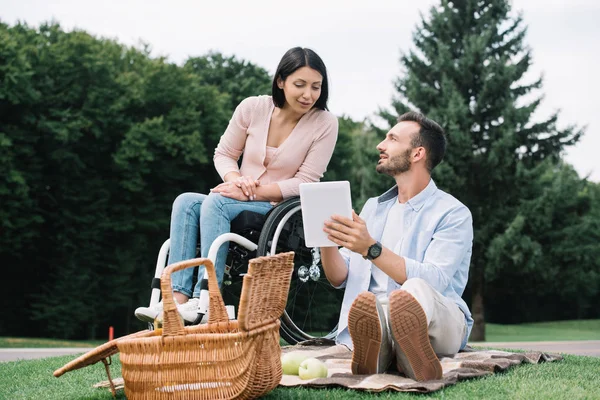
[17,93]
[238,78]
[354,159]
[97,139]
[467,72]
[546,264]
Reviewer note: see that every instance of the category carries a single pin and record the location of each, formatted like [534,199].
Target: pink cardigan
[302,157]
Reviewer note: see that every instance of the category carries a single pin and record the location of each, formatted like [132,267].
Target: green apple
[290,362]
[312,368]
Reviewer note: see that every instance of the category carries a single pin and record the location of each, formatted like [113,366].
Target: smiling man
[404,262]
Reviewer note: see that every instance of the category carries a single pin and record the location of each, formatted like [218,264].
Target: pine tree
[467,72]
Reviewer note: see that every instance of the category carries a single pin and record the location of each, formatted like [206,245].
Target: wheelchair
[313,305]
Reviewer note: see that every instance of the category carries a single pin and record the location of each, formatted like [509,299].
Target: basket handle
[173,324]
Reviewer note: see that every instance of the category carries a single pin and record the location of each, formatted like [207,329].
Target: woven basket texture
[223,359]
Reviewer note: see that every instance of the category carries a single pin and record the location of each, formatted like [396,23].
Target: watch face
[375,250]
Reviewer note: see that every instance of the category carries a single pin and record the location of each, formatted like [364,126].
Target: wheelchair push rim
[313,305]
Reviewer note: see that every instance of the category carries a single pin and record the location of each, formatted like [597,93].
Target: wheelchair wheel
[313,305]
[235,269]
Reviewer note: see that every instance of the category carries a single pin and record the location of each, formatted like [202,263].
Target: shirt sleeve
[232,142]
[345,253]
[451,242]
[315,163]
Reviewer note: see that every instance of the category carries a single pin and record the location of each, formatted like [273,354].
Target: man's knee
[415,284]
[420,290]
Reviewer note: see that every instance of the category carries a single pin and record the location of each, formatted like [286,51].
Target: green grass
[13,342]
[573,378]
[544,331]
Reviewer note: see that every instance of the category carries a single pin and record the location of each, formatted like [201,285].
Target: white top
[392,235]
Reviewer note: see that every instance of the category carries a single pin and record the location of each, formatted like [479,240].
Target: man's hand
[349,233]
[231,190]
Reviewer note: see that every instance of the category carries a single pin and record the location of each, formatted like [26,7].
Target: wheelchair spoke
[313,305]
[292,300]
[308,308]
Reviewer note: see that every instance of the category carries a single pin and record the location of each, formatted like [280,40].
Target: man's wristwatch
[374,251]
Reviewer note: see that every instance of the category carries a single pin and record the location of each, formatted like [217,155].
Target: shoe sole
[144,317]
[414,354]
[365,330]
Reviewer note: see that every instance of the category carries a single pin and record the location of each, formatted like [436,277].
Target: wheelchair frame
[291,332]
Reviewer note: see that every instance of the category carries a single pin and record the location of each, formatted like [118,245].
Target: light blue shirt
[436,246]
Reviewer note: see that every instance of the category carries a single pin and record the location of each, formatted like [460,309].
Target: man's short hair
[431,136]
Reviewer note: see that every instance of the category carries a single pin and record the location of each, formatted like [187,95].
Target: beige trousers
[445,321]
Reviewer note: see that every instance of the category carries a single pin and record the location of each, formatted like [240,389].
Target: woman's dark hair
[431,136]
[292,60]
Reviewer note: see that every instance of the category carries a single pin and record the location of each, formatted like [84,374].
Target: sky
[359,41]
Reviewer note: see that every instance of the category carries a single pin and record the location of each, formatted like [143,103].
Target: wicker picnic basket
[220,360]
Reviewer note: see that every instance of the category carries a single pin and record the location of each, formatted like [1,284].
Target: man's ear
[419,153]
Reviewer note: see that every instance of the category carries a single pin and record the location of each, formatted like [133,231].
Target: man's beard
[395,165]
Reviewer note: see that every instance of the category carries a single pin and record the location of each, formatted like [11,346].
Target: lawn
[544,331]
[573,378]
[12,342]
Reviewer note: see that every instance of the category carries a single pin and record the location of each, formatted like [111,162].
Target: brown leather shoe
[368,329]
[408,323]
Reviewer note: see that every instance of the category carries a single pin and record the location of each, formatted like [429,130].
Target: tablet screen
[319,201]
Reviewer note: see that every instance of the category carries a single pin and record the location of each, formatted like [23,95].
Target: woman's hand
[231,190]
[248,186]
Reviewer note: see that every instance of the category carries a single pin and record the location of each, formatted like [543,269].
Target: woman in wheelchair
[286,138]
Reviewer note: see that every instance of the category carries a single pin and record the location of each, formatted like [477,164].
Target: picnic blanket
[469,363]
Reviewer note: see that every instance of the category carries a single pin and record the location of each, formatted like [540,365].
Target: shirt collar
[415,202]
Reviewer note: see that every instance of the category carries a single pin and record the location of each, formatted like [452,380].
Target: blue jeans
[206,217]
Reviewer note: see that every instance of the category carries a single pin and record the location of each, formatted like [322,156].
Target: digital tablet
[319,201]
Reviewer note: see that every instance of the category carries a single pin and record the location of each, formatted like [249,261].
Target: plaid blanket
[467,364]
